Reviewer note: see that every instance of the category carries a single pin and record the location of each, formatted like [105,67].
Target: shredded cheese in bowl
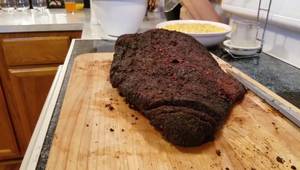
[194,28]
[208,33]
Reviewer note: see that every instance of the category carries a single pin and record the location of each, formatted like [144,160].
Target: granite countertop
[278,76]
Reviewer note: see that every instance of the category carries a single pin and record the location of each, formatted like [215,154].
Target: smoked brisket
[175,82]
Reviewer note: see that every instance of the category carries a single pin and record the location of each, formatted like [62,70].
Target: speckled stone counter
[278,76]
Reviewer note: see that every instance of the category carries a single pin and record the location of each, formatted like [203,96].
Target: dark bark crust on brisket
[175,82]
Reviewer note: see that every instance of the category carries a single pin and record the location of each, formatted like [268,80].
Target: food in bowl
[194,28]
[208,33]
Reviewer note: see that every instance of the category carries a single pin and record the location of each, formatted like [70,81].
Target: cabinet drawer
[35,50]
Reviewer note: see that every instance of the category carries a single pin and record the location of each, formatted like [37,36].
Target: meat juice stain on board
[293,167]
[109,106]
[280,160]
[218,152]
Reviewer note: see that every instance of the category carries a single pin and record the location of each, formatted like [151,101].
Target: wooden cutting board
[97,130]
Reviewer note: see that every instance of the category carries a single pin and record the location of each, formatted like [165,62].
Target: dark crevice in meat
[190,104]
[175,82]
[151,114]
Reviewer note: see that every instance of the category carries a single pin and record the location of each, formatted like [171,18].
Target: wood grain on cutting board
[97,130]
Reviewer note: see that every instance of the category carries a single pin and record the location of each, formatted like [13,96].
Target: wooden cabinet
[8,145]
[28,64]
[30,89]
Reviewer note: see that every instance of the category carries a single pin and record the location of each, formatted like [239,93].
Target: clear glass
[244,32]
[40,5]
[22,5]
[8,5]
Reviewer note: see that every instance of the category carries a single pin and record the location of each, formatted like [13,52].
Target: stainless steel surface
[264,22]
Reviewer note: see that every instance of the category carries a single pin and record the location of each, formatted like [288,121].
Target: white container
[118,17]
[244,33]
[207,39]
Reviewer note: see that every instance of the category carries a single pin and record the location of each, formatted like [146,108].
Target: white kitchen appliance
[118,17]
[246,38]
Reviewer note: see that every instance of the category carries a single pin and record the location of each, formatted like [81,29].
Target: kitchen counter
[278,76]
[60,20]
[49,20]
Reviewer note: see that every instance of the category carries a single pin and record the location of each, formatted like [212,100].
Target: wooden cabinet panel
[35,50]
[10,165]
[28,63]
[31,87]
[8,145]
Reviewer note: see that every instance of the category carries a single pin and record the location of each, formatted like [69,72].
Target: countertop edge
[49,20]
[41,28]
[33,151]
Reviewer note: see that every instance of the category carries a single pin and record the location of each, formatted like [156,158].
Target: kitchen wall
[283,34]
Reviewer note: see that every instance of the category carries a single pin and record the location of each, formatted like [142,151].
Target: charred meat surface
[175,82]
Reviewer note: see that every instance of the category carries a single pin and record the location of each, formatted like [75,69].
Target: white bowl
[207,39]
[118,17]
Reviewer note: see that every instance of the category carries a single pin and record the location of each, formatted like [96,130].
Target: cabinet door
[8,144]
[31,87]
